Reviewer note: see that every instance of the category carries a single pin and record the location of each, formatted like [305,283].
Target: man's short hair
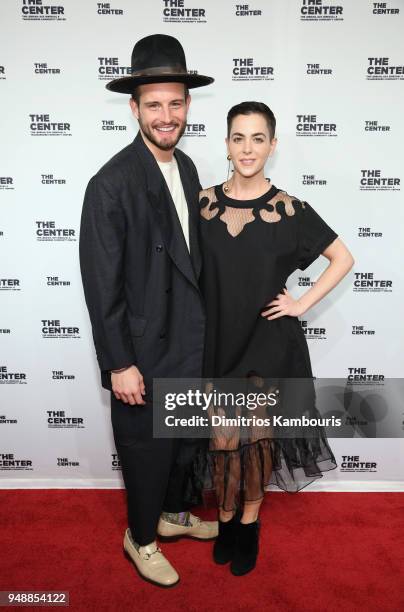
[136,93]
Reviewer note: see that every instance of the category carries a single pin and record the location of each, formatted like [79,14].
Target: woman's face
[249,144]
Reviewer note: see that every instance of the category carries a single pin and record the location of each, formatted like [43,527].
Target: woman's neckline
[265,197]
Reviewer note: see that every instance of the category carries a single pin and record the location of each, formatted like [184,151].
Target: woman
[254,236]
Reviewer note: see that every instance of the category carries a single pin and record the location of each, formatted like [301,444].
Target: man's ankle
[177,518]
[132,539]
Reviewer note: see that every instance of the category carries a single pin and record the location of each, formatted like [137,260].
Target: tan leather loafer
[151,563]
[202,530]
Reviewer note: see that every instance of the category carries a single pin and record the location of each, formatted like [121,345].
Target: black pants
[155,470]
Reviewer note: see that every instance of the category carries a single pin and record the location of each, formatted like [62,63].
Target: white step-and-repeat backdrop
[332,71]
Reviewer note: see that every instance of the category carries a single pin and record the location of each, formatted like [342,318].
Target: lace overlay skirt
[243,457]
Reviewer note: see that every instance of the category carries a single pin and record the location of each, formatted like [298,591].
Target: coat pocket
[137,326]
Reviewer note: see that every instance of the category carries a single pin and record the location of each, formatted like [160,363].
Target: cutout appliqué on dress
[273,216]
[237,218]
[207,199]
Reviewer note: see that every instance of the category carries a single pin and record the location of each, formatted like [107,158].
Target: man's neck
[159,154]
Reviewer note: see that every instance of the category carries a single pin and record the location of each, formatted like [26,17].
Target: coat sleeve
[101,250]
[314,236]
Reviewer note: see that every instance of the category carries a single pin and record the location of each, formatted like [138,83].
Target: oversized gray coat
[140,281]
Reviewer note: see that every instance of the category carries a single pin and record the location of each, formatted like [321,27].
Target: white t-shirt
[172,176]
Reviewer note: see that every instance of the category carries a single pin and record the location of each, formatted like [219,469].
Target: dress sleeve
[314,236]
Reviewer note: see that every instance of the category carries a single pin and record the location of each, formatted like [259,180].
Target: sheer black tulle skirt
[238,464]
[241,476]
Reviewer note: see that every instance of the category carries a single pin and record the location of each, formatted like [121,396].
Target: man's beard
[164,146]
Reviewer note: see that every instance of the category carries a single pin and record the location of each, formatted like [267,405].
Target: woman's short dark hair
[249,108]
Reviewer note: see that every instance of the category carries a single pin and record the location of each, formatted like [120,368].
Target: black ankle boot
[225,542]
[246,550]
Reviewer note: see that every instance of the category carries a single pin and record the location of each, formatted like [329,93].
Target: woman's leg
[251,511]
[246,545]
[249,515]
[226,515]
[225,544]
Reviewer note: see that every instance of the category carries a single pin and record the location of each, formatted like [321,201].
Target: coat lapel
[191,189]
[166,213]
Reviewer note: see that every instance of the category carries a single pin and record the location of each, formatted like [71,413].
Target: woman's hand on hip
[283,304]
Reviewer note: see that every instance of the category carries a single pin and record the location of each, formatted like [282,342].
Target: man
[140,263]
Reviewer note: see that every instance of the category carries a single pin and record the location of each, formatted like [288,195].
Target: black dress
[249,249]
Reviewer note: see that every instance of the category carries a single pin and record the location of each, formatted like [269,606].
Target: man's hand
[128,386]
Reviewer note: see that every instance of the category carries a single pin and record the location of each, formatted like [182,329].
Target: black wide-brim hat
[158,59]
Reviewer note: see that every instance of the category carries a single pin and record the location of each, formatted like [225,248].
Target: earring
[226,186]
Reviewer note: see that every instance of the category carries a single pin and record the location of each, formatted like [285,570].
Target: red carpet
[319,552]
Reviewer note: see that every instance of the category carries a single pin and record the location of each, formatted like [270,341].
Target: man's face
[162,113]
